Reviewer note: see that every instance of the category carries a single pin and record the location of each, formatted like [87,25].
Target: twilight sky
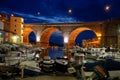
[60,11]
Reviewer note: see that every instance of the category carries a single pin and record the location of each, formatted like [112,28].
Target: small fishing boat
[7,71]
[47,64]
[30,67]
[61,65]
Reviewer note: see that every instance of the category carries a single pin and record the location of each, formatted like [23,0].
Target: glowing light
[38,13]
[107,8]
[65,57]
[69,11]
[66,40]
[12,14]
[15,38]
[99,36]
[38,38]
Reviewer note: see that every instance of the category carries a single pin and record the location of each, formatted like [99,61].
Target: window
[15,20]
[15,30]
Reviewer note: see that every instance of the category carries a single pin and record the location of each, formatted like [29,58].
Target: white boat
[13,57]
[47,64]
[61,65]
[30,67]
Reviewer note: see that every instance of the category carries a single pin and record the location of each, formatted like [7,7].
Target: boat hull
[31,72]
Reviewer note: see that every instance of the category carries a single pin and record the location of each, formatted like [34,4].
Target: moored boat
[30,67]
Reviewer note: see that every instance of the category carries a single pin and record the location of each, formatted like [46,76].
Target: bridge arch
[32,37]
[73,35]
[45,36]
[26,34]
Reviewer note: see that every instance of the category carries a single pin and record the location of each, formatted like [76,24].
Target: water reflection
[55,52]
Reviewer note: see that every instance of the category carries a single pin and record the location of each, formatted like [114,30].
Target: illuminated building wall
[1,31]
[16,27]
[26,33]
[4,27]
[111,31]
[3,17]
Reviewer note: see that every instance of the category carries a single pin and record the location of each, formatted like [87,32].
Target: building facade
[16,29]
[4,28]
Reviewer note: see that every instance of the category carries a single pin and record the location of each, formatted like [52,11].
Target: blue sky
[57,11]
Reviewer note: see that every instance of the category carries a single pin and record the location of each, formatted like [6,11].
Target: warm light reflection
[66,40]
[38,38]
[26,33]
[99,36]
[15,38]
[45,36]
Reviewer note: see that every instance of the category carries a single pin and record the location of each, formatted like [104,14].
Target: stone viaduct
[107,35]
